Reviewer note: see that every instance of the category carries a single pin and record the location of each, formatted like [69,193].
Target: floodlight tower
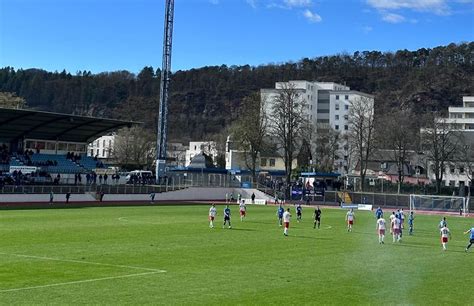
[164,88]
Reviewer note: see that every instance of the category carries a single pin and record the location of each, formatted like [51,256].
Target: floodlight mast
[164,88]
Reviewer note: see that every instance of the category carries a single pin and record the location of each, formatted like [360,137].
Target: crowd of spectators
[73,157]
[138,179]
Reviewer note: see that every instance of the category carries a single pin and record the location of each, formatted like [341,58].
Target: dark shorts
[471,241]
[317,219]
[226,218]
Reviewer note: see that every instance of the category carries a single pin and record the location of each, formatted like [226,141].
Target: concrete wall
[188,194]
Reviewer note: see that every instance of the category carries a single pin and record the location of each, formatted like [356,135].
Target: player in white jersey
[396,225]
[381,229]
[350,217]
[212,215]
[445,233]
[392,216]
[286,221]
[242,210]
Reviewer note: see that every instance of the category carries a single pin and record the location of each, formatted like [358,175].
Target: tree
[250,130]
[327,149]
[439,144]
[397,134]
[10,100]
[464,157]
[134,147]
[361,133]
[288,117]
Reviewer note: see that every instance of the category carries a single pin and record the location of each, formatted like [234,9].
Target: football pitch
[169,255]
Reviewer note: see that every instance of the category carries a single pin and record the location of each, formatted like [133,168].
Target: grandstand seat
[88,163]
[63,165]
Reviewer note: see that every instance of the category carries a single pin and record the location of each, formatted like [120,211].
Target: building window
[337,106]
[347,97]
[311,107]
[263,162]
[97,153]
[451,169]
[346,107]
[346,117]
[336,127]
[92,152]
[346,127]
[337,97]
[337,117]
[272,162]
[103,152]
[461,170]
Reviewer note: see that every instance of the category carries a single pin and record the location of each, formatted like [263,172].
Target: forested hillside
[205,100]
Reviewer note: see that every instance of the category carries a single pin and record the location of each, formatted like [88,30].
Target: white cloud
[367,29]
[439,7]
[393,18]
[298,3]
[215,2]
[311,16]
[252,3]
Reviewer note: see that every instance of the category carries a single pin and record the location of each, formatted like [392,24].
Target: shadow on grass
[308,237]
[243,229]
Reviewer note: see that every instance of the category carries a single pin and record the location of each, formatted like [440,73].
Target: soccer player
[378,213]
[152,197]
[443,223]
[445,233]
[317,217]
[402,218]
[212,215]
[396,224]
[299,211]
[392,216]
[286,221]
[381,229]
[411,218]
[471,237]
[242,210]
[226,216]
[280,212]
[51,197]
[350,217]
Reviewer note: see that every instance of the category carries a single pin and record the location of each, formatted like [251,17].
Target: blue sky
[109,35]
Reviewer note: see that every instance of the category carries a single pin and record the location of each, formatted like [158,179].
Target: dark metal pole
[164,88]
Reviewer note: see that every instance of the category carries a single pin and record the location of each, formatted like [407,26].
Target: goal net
[439,203]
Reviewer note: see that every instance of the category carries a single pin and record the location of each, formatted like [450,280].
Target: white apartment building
[102,147]
[328,107]
[462,118]
[197,147]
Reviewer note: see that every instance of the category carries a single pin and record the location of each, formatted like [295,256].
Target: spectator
[100,179]
[68,195]
[105,178]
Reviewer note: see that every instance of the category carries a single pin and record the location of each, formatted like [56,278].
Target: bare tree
[11,100]
[361,133]
[288,119]
[397,133]
[134,147]
[464,157]
[327,149]
[440,144]
[250,130]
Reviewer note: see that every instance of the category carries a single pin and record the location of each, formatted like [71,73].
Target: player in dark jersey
[226,216]
[317,217]
[299,212]
[280,212]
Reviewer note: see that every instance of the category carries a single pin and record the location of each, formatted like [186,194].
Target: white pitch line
[328,227]
[81,281]
[84,262]
[125,219]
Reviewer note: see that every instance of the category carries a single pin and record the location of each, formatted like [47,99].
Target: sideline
[84,262]
[150,271]
[80,281]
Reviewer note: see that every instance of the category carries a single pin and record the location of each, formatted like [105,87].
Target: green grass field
[169,255]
